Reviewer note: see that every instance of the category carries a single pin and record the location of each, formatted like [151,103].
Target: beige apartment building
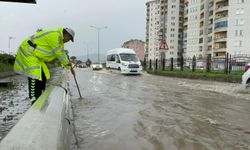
[152,29]
[222,28]
[171,27]
[211,28]
[164,20]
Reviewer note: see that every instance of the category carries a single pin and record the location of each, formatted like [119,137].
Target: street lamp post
[87,48]
[98,31]
[10,37]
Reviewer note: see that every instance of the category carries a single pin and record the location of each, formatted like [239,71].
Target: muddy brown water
[158,113]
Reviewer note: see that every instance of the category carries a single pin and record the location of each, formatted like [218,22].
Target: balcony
[219,1]
[221,39]
[220,49]
[221,9]
[219,57]
[220,19]
[220,26]
[220,29]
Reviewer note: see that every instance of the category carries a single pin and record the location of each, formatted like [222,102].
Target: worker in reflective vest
[44,46]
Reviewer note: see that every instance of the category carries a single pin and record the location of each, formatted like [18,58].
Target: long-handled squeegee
[73,73]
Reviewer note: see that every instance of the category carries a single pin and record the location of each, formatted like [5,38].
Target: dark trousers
[36,87]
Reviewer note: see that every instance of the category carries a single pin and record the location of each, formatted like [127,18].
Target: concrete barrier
[45,126]
[7,74]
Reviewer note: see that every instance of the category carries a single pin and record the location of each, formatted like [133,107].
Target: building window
[236,32]
[239,11]
[220,24]
[239,22]
[241,33]
[240,1]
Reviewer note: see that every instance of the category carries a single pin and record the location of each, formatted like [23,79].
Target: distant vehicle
[125,60]
[82,66]
[96,66]
[200,67]
[246,76]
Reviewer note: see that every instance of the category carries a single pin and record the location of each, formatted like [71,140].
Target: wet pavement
[149,112]
[14,102]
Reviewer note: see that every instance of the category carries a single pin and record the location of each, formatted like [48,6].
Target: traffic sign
[164,45]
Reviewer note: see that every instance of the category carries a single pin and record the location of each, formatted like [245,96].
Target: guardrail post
[156,64]
[172,64]
[150,64]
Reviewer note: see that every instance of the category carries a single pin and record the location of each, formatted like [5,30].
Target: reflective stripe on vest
[23,52]
[39,36]
[27,69]
[32,38]
[48,52]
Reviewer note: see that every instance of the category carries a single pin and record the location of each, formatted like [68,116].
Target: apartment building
[238,41]
[137,45]
[194,22]
[152,28]
[213,28]
[164,21]
[171,26]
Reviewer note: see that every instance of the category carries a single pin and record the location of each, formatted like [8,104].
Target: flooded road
[158,113]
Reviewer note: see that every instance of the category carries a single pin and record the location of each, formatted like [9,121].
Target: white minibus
[125,60]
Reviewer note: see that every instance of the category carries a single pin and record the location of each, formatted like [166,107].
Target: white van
[125,60]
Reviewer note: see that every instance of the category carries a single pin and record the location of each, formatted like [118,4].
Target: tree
[194,63]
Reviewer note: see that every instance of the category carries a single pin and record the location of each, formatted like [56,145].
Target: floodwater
[147,112]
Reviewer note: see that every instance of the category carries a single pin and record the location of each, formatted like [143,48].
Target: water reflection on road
[157,113]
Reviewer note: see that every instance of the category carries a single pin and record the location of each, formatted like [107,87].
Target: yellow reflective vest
[30,62]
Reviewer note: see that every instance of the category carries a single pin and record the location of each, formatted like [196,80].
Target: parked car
[96,66]
[246,76]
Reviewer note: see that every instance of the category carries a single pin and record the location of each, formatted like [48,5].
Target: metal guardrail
[46,125]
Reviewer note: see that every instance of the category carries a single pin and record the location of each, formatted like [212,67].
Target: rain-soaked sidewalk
[158,113]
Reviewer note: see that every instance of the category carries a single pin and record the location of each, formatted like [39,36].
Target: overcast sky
[126,19]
